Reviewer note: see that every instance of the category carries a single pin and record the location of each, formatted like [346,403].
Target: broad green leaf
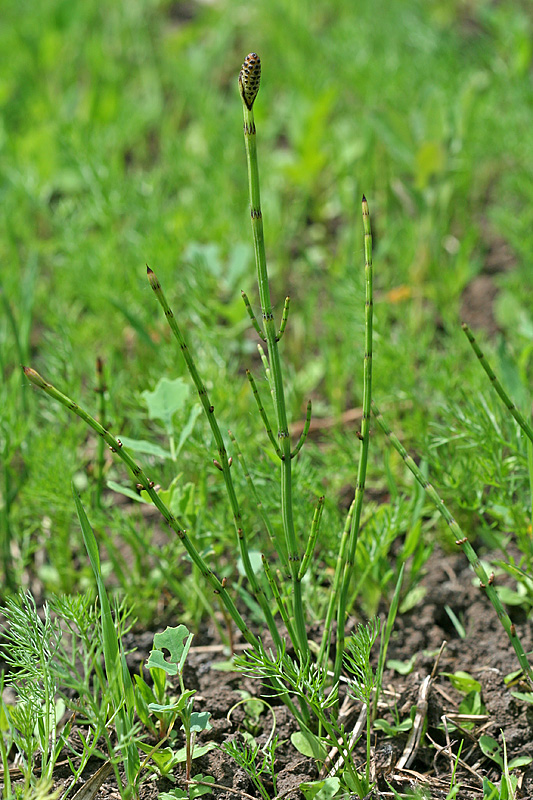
[159,708]
[471,704]
[198,752]
[164,759]
[402,667]
[308,745]
[525,696]
[519,761]
[188,427]
[491,749]
[174,640]
[197,790]
[127,492]
[393,730]
[320,790]
[462,681]
[412,599]
[490,791]
[167,398]
[166,495]
[200,721]
[143,446]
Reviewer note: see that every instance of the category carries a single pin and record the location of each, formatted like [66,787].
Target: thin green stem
[462,542]
[252,316]
[223,461]
[303,437]
[262,413]
[315,526]
[498,388]
[249,85]
[148,485]
[284,318]
[364,439]
[266,367]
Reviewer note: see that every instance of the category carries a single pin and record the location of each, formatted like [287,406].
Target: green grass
[121,146]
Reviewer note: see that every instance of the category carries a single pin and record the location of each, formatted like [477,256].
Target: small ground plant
[306,680]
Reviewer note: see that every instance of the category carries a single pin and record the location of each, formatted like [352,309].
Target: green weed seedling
[155,703]
[31,725]
[55,656]
[472,703]
[364,678]
[508,783]
[257,761]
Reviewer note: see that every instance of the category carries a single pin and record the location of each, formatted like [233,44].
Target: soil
[484,653]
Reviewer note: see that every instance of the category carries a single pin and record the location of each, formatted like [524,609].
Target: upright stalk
[364,440]
[249,79]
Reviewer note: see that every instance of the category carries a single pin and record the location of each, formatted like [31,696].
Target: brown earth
[484,653]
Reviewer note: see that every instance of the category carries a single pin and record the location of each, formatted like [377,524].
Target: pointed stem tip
[34,377]
[249,79]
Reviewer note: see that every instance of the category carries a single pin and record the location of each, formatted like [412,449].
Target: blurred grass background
[121,144]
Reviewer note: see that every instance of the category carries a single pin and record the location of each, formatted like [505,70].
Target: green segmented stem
[315,526]
[251,314]
[461,541]
[278,546]
[364,439]
[498,388]
[262,412]
[141,478]
[303,437]
[284,318]
[249,85]
[224,463]
[336,587]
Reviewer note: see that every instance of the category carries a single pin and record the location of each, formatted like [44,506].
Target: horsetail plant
[274,591]
[364,439]
[249,79]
